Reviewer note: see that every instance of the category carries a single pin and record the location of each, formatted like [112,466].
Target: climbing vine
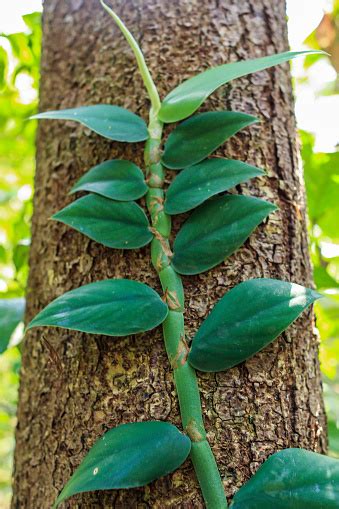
[245,320]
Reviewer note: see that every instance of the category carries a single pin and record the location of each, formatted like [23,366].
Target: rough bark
[272,401]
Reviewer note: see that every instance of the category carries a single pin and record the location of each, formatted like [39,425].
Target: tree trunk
[272,401]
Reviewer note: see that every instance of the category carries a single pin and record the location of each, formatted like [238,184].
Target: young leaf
[186,98]
[215,230]
[11,314]
[121,225]
[114,307]
[109,121]
[292,478]
[245,320]
[196,138]
[117,179]
[196,184]
[128,456]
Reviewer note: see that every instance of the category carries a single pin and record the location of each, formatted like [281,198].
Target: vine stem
[144,71]
[173,327]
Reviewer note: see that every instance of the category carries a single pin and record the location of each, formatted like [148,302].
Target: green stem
[145,74]
[174,332]
[173,327]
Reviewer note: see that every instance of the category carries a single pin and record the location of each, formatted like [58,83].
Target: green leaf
[186,98]
[196,184]
[245,320]
[20,255]
[112,122]
[322,278]
[129,456]
[121,225]
[292,479]
[11,314]
[196,138]
[114,307]
[3,66]
[215,230]
[117,179]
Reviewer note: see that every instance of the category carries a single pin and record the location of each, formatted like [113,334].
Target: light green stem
[145,74]
[173,327]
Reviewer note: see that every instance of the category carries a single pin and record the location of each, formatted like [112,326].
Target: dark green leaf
[197,183]
[114,307]
[245,320]
[215,230]
[292,479]
[112,122]
[11,314]
[128,456]
[199,136]
[117,179]
[121,225]
[186,98]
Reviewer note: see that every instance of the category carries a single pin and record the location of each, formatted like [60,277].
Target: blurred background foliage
[19,78]
[317,92]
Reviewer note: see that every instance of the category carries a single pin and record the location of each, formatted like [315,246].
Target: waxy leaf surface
[114,307]
[186,98]
[11,314]
[196,138]
[128,456]
[121,225]
[117,179]
[112,122]
[196,184]
[245,320]
[292,479]
[215,230]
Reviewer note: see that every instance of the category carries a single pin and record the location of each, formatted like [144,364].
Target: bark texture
[272,401]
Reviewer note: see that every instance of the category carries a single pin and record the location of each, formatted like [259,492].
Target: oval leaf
[114,307]
[196,138]
[128,456]
[112,122]
[293,478]
[11,314]
[245,320]
[189,95]
[196,184]
[121,225]
[117,179]
[215,230]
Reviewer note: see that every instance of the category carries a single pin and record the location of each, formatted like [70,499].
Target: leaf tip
[316,295]
[29,326]
[271,207]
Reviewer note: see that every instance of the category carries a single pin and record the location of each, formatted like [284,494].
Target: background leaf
[196,138]
[196,184]
[128,456]
[114,307]
[245,320]
[120,225]
[11,314]
[112,122]
[215,230]
[117,179]
[293,478]
[186,98]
